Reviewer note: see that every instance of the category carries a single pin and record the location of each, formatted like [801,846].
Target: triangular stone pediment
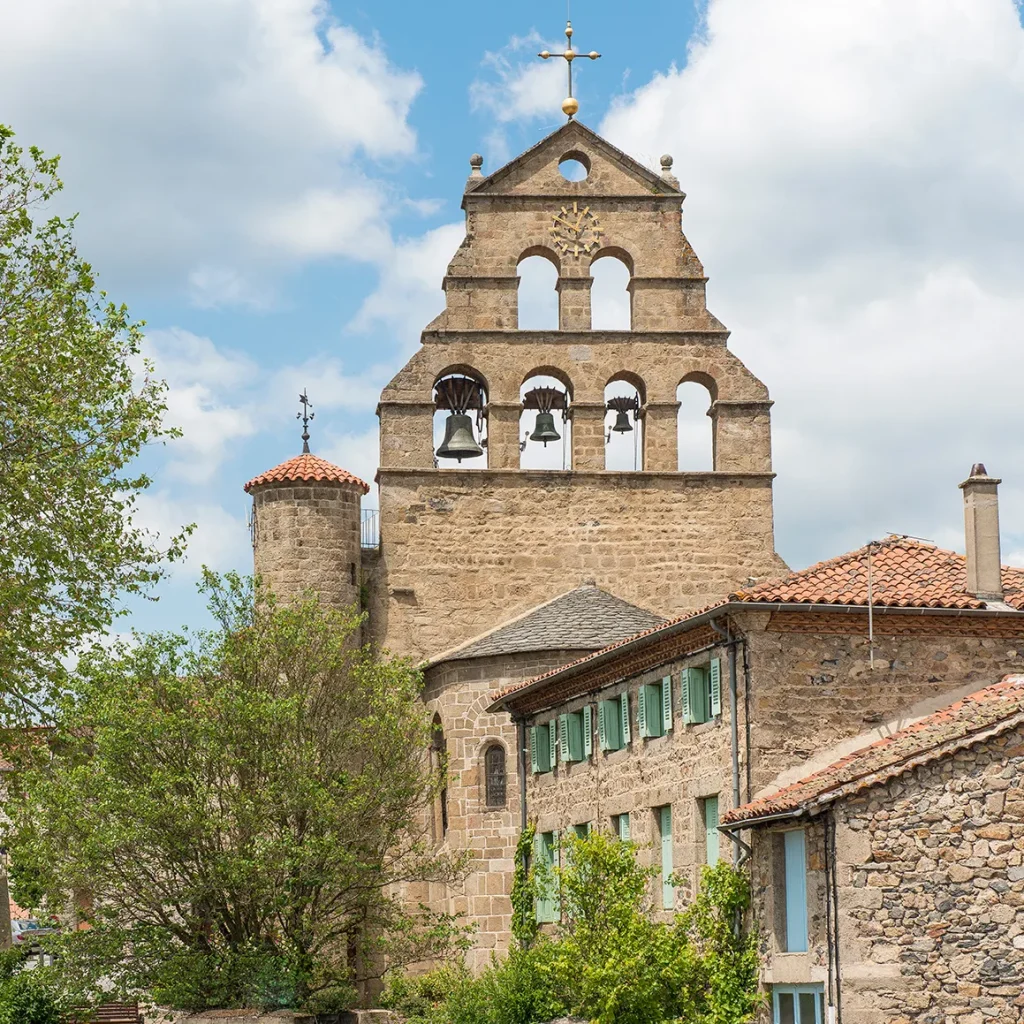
[610,171]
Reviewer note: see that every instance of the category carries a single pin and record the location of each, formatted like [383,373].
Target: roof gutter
[735,826]
[685,625]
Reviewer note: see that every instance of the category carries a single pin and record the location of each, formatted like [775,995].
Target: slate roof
[975,717]
[585,618]
[306,467]
[905,573]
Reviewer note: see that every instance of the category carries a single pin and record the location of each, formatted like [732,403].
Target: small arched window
[494,775]
[439,761]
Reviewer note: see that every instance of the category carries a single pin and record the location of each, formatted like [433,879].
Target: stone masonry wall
[681,768]
[459,691]
[307,538]
[932,892]
[464,552]
[810,691]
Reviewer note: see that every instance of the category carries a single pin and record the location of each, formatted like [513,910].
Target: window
[613,723]
[654,708]
[574,735]
[494,775]
[620,826]
[701,693]
[798,1004]
[711,834]
[545,847]
[668,892]
[439,761]
[582,830]
[543,747]
[791,906]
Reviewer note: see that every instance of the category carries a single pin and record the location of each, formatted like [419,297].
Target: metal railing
[369,532]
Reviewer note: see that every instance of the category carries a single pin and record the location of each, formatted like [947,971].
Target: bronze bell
[459,442]
[622,424]
[544,430]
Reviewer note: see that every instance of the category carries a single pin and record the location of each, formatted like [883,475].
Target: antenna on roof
[306,416]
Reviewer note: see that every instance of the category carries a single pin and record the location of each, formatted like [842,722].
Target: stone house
[663,737]
[890,884]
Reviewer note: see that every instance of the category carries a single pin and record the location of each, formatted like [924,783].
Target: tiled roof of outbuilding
[905,573]
[942,732]
[582,619]
[309,468]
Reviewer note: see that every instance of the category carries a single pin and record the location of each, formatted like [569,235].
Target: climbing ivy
[524,891]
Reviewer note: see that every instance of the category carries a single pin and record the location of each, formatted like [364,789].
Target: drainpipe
[734,735]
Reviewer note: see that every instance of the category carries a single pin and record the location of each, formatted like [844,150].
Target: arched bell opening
[611,307]
[695,440]
[624,398]
[545,424]
[537,299]
[460,421]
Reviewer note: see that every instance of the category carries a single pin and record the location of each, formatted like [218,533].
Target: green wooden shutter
[624,705]
[563,737]
[624,827]
[711,830]
[698,695]
[602,726]
[668,892]
[575,724]
[641,711]
[716,687]
[588,731]
[666,704]
[538,860]
[686,696]
[534,760]
[552,744]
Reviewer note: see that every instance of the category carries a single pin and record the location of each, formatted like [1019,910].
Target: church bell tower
[470,538]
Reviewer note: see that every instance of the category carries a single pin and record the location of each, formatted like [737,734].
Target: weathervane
[305,416]
[569,105]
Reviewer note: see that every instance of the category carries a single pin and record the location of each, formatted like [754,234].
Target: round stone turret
[306,530]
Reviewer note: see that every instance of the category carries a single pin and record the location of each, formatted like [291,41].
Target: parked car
[29,932]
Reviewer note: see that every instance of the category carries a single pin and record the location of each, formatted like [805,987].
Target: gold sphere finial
[568,29]
[570,105]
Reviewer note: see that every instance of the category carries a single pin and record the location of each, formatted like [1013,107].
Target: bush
[24,996]
[608,961]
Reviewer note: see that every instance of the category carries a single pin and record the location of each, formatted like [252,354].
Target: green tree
[241,809]
[77,404]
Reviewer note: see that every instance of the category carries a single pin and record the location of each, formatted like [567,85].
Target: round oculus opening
[574,166]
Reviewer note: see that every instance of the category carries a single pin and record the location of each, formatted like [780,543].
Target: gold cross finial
[569,105]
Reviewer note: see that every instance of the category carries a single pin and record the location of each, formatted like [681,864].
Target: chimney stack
[981,520]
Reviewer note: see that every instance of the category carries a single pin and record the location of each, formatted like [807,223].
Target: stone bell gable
[465,549]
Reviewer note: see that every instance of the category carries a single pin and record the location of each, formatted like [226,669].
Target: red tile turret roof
[307,467]
[952,728]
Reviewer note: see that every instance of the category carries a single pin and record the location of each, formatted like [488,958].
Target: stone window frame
[489,746]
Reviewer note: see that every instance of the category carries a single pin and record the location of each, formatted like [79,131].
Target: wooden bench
[112,1013]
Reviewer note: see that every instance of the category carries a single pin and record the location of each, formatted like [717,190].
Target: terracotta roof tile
[905,573]
[948,729]
[306,467]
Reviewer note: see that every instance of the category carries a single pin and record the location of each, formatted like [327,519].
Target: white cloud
[359,454]
[206,140]
[203,384]
[852,171]
[408,295]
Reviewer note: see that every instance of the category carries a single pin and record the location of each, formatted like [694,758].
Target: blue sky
[274,186]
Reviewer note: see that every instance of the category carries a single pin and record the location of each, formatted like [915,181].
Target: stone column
[588,436]
[661,437]
[503,435]
[574,303]
[981,521]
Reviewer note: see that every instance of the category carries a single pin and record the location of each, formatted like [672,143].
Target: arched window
[696,450]
[494,775]
[623,424]
[460,420]
[610,307]
[545,429]
[538,297]
[439,764]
